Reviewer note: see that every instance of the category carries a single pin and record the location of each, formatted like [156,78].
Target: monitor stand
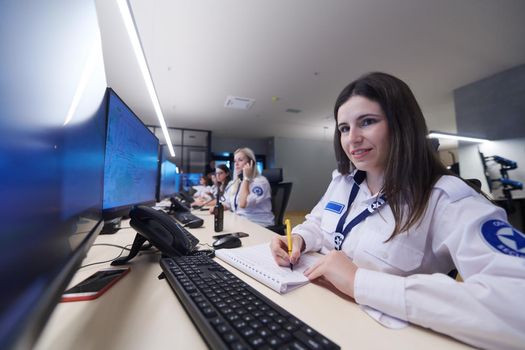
[111,226]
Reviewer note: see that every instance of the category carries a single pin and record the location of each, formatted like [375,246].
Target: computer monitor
[131,163]
[189,180]
[225,162]
[169,178]
[52,138]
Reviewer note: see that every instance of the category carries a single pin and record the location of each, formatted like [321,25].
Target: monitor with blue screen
[52,141]
[169,179]
[225,162]
[189,180]
[131,164]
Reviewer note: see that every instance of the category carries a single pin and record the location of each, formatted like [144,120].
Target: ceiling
[299,54]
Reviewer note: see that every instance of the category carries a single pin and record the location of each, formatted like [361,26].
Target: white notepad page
[257,261]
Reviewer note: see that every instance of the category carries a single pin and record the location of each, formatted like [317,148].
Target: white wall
[471,166]
[309,165]
[228,144]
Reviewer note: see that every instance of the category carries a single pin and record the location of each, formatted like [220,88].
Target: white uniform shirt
[225,194]
[406,276]
[259,202]
[203,192]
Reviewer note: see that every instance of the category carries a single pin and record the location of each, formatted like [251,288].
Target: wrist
[299,239]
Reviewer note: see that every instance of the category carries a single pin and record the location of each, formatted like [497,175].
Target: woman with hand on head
[250,194]
[394,221]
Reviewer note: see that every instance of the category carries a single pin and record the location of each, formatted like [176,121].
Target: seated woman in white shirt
[222,181]
[250,194]
[394,221]
[203,192]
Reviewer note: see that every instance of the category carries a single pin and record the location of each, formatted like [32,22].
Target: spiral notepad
[257,262]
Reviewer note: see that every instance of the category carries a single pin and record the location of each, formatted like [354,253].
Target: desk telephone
[182,213]
[178,204]
[160,230]
[184,197]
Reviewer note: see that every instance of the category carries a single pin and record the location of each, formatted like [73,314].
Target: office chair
[280,195]
[274,175]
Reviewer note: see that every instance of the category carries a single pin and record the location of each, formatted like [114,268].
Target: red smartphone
[95,285]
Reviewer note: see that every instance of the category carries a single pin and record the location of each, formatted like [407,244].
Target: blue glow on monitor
[131,164]
[189,180]
[169,182]
[225,162]
[53,131]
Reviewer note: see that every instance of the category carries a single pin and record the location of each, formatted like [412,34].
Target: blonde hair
[249,153]
[236,182]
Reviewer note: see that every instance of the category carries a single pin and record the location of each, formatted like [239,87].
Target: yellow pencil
[289,236]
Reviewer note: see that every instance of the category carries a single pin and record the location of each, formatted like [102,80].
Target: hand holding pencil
[286,250]
[289,237]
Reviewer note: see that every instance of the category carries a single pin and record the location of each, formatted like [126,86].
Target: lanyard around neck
[341,231]
[235,198]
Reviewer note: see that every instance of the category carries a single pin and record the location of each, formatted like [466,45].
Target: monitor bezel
[26,331]
[123,210]
[24,337]
[159,196]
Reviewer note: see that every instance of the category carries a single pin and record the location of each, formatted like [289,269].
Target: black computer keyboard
[232,315]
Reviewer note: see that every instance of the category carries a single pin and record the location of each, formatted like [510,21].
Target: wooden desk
[142,312]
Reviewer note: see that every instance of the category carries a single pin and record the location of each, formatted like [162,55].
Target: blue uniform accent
[334,207]
[258,191]
[504,238]
[341,231]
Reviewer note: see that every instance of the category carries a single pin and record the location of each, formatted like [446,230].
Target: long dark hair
[413,166]
[224,168]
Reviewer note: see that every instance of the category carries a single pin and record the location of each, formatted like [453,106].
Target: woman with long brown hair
[394,221]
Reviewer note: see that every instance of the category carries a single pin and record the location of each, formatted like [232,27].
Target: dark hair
[413,167]
[207,179]
[224,168]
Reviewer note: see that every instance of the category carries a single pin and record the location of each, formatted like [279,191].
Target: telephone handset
[177,205]
[184,197]
[160,230]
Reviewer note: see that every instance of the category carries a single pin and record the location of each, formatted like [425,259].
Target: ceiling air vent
[293,110]
[239,102]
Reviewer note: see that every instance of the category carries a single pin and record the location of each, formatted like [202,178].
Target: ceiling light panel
[236,102]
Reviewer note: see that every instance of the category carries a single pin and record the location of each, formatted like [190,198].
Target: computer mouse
[196,223]
[227,242]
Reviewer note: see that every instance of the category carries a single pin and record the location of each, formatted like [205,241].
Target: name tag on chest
[335,207]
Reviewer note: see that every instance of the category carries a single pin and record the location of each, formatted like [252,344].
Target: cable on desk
[112,245]
[204,244]
[110,260]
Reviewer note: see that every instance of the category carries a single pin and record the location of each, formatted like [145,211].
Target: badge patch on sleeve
[334,207]
[258,191]
[504,238]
